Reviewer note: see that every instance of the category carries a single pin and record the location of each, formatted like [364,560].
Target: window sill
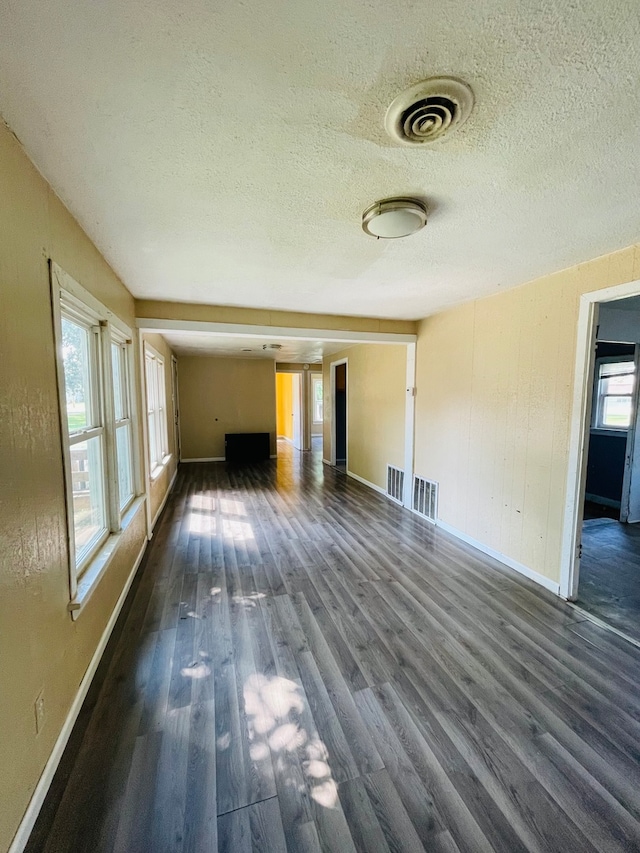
[101,562]
[160,468]
[621,433]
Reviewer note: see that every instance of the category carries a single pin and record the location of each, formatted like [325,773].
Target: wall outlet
[39,712]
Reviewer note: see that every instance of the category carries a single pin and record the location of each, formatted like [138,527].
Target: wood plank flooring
[609,584]
[303,666]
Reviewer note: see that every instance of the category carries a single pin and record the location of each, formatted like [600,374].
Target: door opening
[601,573]
[289,408]
[341,415]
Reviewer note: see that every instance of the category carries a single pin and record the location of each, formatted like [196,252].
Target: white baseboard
[326,462]
[367,483]
[552,586]
[164,500]
[35,804]
[204,459]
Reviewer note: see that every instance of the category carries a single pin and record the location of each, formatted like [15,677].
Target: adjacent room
[319,477]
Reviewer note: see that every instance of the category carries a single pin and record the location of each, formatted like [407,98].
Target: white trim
[292,333]
[367,483]
[204,459]
[164,500]
[546,582]
[145,468]
[579,430]
[99,565]
[409,425]
[591,617]
[273,456]
[326,461]
[65,282]
[35,804]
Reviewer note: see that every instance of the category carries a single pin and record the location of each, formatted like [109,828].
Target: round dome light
[394,217]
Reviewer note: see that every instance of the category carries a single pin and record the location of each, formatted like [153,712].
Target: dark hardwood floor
[302,665]
[609,583]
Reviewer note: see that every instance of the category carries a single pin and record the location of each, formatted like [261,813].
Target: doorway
[339,421]
[603,574]
[289,408]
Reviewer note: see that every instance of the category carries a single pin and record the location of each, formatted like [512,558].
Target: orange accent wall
[284,404]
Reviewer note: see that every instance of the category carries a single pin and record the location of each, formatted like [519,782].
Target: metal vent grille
[425,498]
[395,483]
[429,111]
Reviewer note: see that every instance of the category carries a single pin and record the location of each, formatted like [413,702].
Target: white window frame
[156,402]
[71,300]
[597,424]
[314,381]
[124,344]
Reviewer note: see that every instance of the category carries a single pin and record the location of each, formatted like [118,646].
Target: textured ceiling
[200,343]
[224,152]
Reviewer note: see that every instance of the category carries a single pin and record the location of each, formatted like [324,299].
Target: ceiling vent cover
[429,111]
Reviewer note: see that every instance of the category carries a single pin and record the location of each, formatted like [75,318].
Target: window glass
[317,400]
[75,358]
[87,477]
[125,467]
[616,381]
[117,353]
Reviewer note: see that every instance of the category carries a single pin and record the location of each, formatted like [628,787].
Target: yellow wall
[158,487]
[41,648]
[240,393]
[376,376]
[284,404]
[494,396]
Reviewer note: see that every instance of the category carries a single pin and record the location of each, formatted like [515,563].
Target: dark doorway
[341,415]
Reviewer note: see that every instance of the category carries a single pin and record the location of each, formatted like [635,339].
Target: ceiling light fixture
[394,217]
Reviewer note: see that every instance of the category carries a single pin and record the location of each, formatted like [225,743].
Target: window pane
[618,385]
[75,359]
[613,368]
[125,474]
[616,412]
[117,367]
[317,400]
[89,519]
[153,441]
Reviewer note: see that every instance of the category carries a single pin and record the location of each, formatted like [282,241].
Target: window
[317,401]
[122,416]
[156,408]
[615,379]
[94,377]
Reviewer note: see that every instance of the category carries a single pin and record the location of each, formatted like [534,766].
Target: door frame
[176,407]
[580,426]
[332,385]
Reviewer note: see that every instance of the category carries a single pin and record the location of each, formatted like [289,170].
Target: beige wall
[494,396]
[151,309]
[239,393]
[376,376]
[158,487]
[41,648]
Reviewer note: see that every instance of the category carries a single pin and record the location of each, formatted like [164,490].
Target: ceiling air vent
[429,111]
